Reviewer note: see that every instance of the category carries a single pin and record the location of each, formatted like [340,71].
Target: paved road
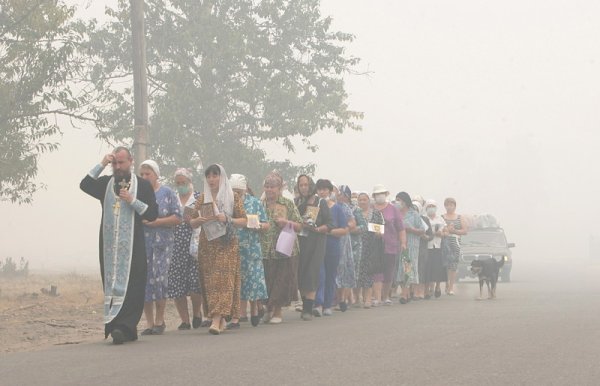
[543,329]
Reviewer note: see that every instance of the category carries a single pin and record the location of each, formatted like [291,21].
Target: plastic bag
[286,240]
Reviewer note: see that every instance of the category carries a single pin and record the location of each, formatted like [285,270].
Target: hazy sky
[494,103]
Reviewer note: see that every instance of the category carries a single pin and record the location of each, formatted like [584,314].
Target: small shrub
[10,268]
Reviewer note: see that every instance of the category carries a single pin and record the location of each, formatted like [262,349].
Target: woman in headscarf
[408,275]
[356,238]
[312,241]
[424,267]
[456,226]
[160,238]
[371,262]
[183,269]
[346,277]
[281,271]
[436,264]
[327,282]
[217,210]
[254,287]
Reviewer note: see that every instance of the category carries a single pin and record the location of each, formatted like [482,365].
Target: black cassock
[133,306]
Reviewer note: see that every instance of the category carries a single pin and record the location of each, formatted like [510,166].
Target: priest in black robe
[126,200]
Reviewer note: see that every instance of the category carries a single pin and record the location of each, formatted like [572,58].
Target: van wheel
[505,277]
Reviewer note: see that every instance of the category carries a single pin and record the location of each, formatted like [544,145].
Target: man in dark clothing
[126,200]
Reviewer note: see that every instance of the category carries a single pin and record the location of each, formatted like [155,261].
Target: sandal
[206,323]
[214,330]
[148,331]
[196,322]
[158,330]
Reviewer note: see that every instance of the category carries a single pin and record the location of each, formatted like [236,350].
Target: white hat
[238,181]
[379,188]
[152,165]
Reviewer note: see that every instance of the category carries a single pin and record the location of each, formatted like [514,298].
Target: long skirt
[220,281]
[183,269]
[254,286]
[346,274]
[437,269]
[451,252]
[424,267]
[310,260]
[281,276]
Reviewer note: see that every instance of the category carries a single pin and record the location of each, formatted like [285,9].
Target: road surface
[544,329]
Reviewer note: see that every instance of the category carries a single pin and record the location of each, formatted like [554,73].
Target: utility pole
[140,83]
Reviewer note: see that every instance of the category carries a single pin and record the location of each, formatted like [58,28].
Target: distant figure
[394,242]
[126,200]
[312,241]
[408,275]
[456,226]
[281,271]
[436,267]
[371,261]
[160,240]
[325,298]
[254,287]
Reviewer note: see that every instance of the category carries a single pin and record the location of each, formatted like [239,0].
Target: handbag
[286,240]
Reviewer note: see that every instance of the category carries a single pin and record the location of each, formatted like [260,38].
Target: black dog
[487,271]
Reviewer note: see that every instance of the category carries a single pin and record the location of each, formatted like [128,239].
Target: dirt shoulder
[32,319]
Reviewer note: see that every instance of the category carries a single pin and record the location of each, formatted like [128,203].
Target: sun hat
[379,188]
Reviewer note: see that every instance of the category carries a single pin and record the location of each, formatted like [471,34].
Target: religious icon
[280,212]
[207,210]
[376,228]
[253,222]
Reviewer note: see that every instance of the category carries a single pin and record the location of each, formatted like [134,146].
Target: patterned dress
[159,246]
[451,245]
[219,265]
[357,238]
[365,268]
[408,271]
[346,274]
[281,272]
[252,269]
[183,269]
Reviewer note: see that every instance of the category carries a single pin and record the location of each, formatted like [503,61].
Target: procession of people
[243,257]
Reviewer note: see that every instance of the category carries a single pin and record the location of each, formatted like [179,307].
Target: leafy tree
[226,77]
[38,40]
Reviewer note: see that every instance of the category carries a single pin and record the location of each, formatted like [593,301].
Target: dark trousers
[327,284]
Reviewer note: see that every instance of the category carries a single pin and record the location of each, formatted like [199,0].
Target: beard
[125,174]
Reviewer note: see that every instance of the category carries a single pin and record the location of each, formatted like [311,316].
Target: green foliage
[38,41]
[9,268]
[226,77]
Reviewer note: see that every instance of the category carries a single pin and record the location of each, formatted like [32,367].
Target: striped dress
[451,245]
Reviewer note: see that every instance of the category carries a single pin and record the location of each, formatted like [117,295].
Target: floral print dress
[346,275]
[254,286]
[159,246]
[408,271]
[183,268]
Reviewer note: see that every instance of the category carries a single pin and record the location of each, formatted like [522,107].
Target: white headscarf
[152,165]
[224,199]
[238,181]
